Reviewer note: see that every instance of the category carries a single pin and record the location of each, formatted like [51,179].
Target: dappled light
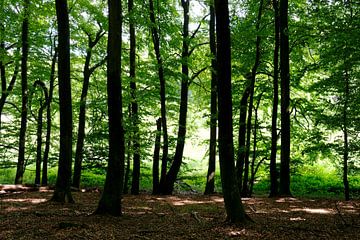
[25,200]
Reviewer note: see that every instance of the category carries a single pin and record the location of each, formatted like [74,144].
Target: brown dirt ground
[28,215]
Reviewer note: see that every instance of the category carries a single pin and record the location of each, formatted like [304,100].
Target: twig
[195,215]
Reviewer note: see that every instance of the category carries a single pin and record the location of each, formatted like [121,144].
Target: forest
[237,117]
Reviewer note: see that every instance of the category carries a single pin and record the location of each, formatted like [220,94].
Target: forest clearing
[29,215]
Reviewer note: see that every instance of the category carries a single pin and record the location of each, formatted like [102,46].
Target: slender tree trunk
[210,178]
[156,41]
[110,202]
[285,101]
[274,135]
[245,186]
[254,154]
[346,140]
[134,105]
[87,72]
[24,93]
[127,168]
[175,166]
[156,158]
[44,178]
[233,206]
[39,130]
[62,191]
[241,137]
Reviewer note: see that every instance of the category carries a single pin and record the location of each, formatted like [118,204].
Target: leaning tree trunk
[233,206]
[44,177]
[156,42]
[134,105]
[110,202]
[274,135]
[284,189]
[62,191]
[210,178]
[24,93]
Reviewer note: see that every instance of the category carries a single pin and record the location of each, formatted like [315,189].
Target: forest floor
[29,215]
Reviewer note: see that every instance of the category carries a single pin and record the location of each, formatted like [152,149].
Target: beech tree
[233,206]
[110,202]
[62,191]
[24,91]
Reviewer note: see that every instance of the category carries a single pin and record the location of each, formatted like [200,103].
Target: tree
[156,42]
[62,191]
[110,202]
[210,178]
[285,100]
[274,135]
[245,187]
[44,100]
[87,72]
[134,105]
[44,177]
[233,206]
[24,92]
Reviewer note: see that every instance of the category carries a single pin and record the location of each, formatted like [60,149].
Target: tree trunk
[156,158]
[110,202]
[39,130]
[210,178]
[44,178]
[24,93]
[241,137]
[234,208]
[284,189]
[62,188]
[134,105]
[254,155]
[127,167]
[245,186]
[168,187]
[156,42]
[82,112]
[274,135]
[346,140]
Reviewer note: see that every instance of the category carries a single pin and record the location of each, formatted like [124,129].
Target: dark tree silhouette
[24,92]
[210,177]
[110,202]
[285,100]
[134,105]
[233,205]
[62,191]
[274,135]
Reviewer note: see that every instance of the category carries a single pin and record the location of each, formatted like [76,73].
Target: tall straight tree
[274,136]
[134,105]
[233,205]
[110,202]
[24,92]
[284,188]
[62,191]
[210,178]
